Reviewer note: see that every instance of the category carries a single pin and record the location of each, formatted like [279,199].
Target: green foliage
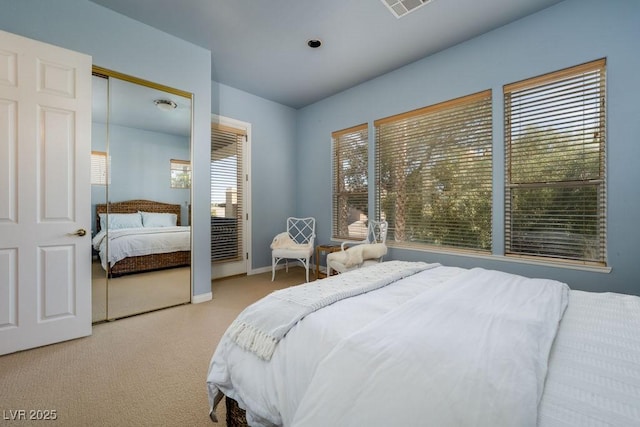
[557,212]
[180,179]
[445,199]
[351,192]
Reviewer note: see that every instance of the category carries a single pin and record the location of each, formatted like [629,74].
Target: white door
[45,143]
[230,196]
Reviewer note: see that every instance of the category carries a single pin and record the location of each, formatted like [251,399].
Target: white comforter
[129,242]
[472,352]
[481,336]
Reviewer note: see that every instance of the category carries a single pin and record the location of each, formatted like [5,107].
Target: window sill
[512,259]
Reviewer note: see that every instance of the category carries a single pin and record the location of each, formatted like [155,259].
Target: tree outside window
[180,173]
[434,174]
[555,198]
[350,183]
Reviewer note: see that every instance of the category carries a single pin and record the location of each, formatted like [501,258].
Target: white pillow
[152,219]
[116,221]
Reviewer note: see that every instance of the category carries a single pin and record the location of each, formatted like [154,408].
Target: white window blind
[99,168]
[180,173]
[227,177]
[350,183]
[434,174]
[555,204]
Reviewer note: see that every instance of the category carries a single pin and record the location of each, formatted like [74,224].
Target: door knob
[80,232]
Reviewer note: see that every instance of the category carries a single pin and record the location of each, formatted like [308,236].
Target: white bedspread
[593,377]
[291,386]
[472,352]
[594,368]
[261,326]
[127,242]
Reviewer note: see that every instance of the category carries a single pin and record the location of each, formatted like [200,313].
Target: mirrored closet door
[141,196]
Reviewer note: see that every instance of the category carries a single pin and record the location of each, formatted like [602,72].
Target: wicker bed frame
[236,416]
[139,264]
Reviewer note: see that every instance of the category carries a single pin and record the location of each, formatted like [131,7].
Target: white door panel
[45,139]
[8,158]
[8,288]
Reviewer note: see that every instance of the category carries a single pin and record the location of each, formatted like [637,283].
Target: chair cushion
[282,240]
[300,251]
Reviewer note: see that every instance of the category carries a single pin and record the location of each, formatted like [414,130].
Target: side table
[324,249]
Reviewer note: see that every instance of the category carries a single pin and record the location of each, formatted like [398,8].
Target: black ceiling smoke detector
[314,43]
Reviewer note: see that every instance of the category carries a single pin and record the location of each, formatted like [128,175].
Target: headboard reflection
[139,205]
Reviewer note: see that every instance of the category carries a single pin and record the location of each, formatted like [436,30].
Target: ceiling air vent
[399,8]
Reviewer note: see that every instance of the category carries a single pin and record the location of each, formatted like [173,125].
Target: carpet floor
[145,370]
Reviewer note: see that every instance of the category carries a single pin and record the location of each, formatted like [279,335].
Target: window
[99,168]
[350,183]
[434,173]
[180,173]
[555,201]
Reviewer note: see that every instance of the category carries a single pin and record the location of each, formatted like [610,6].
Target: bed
[423,344]
[144,235]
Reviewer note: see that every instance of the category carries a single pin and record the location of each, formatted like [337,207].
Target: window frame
[556,247]
[180,171]
[457,113]
[358,137]
[100,166]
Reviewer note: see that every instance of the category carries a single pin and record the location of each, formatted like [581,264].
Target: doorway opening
[230,196]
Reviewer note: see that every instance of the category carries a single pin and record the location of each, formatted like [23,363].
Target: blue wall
[140,165]
[273,163]
[567,34]
[122,44]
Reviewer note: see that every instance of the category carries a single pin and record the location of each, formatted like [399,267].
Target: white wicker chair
[376,239]
[296,243]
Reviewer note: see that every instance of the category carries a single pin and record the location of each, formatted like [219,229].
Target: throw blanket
[356,255]
[263,324]
[470,352]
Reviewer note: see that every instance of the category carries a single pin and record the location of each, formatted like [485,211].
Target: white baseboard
[197,299]
[262,270]
[312,269]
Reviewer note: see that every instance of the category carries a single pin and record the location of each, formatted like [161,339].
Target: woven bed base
[142,263]
[236,416]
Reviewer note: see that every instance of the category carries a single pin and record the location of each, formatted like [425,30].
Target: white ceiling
[260,46]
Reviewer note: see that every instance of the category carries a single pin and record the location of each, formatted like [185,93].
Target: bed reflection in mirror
[141,196]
